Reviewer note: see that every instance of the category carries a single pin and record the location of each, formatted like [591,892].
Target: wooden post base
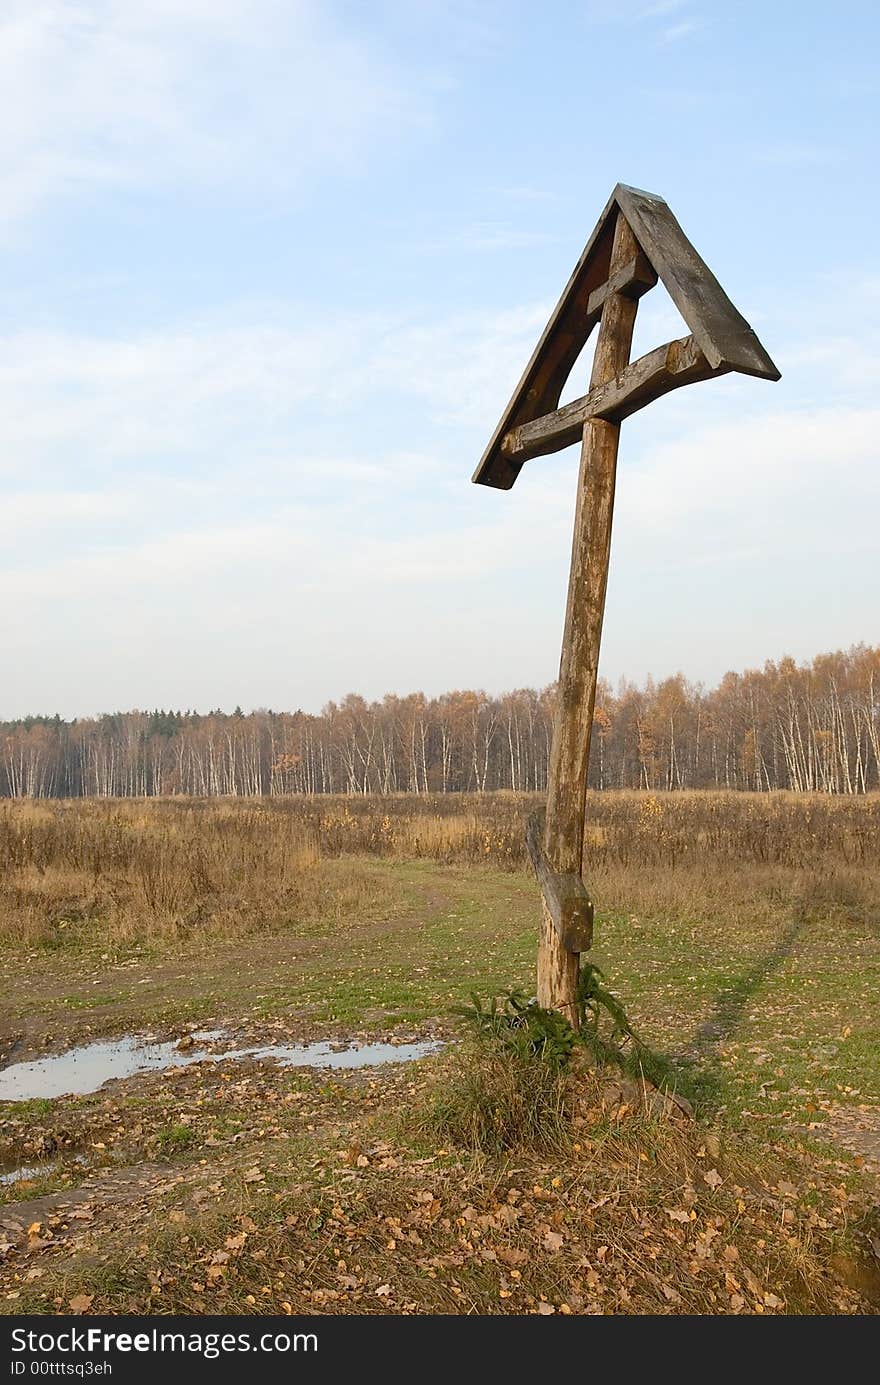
[557,970]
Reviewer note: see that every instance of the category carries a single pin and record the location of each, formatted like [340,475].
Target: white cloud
[28,513]
[775,485]
[810,482]
[657,12]
[250,483]
[233,392]
[464,366]
[676,32]
[110,93]
[172,392]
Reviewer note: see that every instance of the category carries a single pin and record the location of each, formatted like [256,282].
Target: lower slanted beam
[678,363]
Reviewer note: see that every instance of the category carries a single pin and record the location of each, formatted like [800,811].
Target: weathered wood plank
[552,360]
[679,362]
[633,280]
[722,333]
[565,896]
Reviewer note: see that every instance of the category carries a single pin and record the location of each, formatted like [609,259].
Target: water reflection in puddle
[19,1175]
[85,1069]
[26,1174]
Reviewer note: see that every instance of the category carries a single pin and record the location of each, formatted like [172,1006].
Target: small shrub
[509,1088]
[521,1027]
[523,1031]
[492,1100]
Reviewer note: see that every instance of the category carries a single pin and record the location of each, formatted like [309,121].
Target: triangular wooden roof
[719,331]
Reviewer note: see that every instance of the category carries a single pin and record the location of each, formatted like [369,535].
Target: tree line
[807,727]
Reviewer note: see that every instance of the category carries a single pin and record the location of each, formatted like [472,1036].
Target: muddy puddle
[85,1069]
[26,1173]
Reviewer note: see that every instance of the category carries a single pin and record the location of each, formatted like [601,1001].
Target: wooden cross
[636,241]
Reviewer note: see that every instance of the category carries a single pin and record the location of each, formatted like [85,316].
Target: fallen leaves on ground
[354,1219]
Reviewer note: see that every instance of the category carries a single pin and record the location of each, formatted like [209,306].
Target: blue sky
[270,273]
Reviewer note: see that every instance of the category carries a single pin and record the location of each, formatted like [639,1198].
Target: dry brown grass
[118,871]
[494,1101]
[121,872]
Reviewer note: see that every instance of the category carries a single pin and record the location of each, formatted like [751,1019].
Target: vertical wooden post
[591,545]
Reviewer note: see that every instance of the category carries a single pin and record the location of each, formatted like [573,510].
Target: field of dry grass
[118,871]
[742,933]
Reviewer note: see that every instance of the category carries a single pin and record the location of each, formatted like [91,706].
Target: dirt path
[58,1000]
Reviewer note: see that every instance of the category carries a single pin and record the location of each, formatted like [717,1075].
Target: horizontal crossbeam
[565,895]
[678,363]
